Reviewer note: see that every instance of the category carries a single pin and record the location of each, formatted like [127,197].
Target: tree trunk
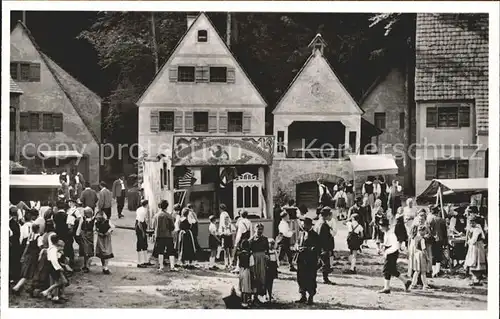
[155,44]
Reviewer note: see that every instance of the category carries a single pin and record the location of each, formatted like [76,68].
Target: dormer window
[202,36]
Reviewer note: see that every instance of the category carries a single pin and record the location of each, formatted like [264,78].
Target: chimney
[24,17]
[190,19]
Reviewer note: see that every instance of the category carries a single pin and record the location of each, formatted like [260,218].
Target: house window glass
[166,121]
[25,72]
[202,36]
[235,122]
[218,74]
[380,120]
[448,117]
[200,121]
[34,121]
[185,74]
[447,169]
[48,123]
[13,71]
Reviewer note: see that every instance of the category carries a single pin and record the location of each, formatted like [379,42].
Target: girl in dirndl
[85,232]
[29,259]
[349,190]
[475,259]
[187,248]
[377,215]
[365,214]
[41,279]
[104,249]
[259,245]
[55,256]
[246,262]
[272,268]
[420,258]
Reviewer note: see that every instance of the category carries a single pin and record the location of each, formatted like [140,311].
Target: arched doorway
[307,193]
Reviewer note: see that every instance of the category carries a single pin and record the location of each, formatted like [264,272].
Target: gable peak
[317,44]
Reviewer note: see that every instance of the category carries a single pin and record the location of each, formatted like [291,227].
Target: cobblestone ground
[131,287]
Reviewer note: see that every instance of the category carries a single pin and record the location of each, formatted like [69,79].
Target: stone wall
[287,173]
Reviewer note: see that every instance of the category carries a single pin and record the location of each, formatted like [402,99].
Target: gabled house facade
[205,118]
[59,118]
[317,124]
[451,93]
[385,105]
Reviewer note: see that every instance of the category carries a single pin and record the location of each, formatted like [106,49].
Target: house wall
[390,97]
[47,96]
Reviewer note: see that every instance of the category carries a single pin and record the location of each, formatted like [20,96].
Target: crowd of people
[42,238]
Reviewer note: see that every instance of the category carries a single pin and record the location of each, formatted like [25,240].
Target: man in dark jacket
[326,242]
[119,190]
[88,197]
[104,201]
[307,262]
[439,233]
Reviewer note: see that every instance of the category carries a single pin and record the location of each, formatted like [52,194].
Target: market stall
[33,187]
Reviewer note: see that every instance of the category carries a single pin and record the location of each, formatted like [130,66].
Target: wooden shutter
[154,122]
[178,122]
[464,116]
[57,122]
[247,122]
[172,74]
[212,122]
[223,122]
[188,122]
[431,118]
[24,121]
[35,72]
[463,169]
[231,75]
[202,74]
[430,170]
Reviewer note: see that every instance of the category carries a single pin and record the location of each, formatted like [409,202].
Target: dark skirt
[227,241]
[271,271]
[391,266]
[259,272]
[14,261]
[30,260]
[378,234]
[187,248]
[142,238]
[41,279]
[104,250]
[86,248]
[213,242]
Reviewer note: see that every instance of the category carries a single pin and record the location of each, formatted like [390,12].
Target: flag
[186,180]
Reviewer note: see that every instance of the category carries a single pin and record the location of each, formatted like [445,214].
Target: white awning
[34,181]
[60,154]
[374,164]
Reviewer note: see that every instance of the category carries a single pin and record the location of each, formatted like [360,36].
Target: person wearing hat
[85,235]
[308,247]
[326,242]
[140,232]
[73,219]
[119,190]
[391,246]
[285,239]
[226,233]
[475,259]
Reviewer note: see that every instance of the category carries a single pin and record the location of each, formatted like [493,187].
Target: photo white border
[262,6]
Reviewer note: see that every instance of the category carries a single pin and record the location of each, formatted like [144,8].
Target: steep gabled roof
[163,68]
[14,88]
[83,99]
[452,60]
[304,66]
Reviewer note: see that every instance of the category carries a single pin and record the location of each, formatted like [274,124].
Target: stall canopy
[60,154]
[454,186]
[376,164]
[34,181]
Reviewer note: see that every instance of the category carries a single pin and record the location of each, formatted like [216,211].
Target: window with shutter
[172,74]
[446,169]
[186,74]
[57,120]
[464,116]
[430,170]
[47,122]
[352,141]
[154,121]
[178,122]
[231,75]
[247,122]
[218,74]
[380,120]
[447,116]
[25,72]
[223,122]
[212,122]
[188,122]
[34,125]
[431,117]
[200,120]
[34,72]
[14,70]
[463,169]
[202,74]
[235,122]
[166,120]
[24,121]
